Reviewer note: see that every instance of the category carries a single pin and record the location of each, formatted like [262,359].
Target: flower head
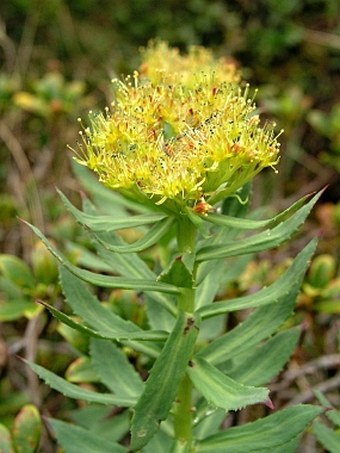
[161,62]
[178,142]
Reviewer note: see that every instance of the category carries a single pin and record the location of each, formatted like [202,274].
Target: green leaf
[106,280]
[261,323]
[264,434]
[212,328]
[76,392]
[211,275]
[132,266]
[262,363]
[98,223]
[17,271]
[250,224]
[117,335]
[218,276]
[322,399]
[263,241]
[5,440]
[101,319]
[160,443]
[222,391]
[75,439]
[177,273]
[258,326]
[209,423]
[233,204]
[15,309]
[27,429]
[87,259]
[208,269]
[9,289]
[289,447]
[103,421]
[81,370]
[158,317]
[329,438]
[161,386]
[77,340]
[332,415]
[128,265]
[212,282]
[268,295]
[238,205]
[114,369]
[149,239]
[11,402]
[72,322]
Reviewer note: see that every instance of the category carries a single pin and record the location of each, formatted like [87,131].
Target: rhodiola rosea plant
[180,145]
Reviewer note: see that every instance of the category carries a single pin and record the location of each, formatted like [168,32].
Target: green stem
[183,412]
[186,235]
[186,300]
[183,417]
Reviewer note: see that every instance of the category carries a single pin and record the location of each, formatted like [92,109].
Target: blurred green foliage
[25,434]
[328,126]
[328,436]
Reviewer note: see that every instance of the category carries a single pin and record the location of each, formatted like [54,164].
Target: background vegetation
[57,59]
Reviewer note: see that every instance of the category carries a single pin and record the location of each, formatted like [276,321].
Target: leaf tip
[305,325]
[23,221]
[319,192]
[22,359]
[320,233]
[269,403]
[41,302]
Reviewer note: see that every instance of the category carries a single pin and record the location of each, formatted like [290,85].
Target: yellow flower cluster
[174,140]
[161,62]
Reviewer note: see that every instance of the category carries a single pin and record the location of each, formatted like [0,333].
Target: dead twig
[324,387]
[31,336]
[309,368]
[322,38]
[25,188]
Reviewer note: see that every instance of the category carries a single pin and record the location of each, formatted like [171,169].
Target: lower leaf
[328,437]
[74,439]
[264,434]
[76,392]
[107,359]
[27,429]
[263,362]
[5,440]
[222,391]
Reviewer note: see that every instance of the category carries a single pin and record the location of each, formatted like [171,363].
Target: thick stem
[183,417]
[183,412]
[186,300]
[186,241]
[186,235]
